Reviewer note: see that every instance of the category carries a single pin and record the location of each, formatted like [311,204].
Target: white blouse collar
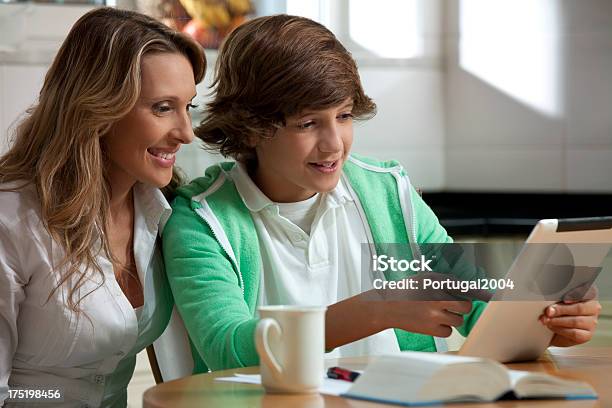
[150,203]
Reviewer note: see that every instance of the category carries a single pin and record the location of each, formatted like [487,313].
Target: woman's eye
[162,108]
[191,106]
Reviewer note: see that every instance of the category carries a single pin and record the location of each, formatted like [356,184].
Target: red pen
[338,373]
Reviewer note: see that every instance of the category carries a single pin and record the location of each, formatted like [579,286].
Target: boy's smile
[306,156]
[326,167]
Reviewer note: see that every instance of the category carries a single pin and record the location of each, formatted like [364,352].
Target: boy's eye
[306,125]
[346,116]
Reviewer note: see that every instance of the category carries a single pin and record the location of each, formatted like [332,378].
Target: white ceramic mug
[290,341]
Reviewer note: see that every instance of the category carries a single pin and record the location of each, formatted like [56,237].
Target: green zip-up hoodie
[213,263]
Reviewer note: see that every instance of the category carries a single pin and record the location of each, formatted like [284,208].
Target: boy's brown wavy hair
[271,68]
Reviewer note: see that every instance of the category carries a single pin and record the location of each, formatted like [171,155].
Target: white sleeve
[12,293]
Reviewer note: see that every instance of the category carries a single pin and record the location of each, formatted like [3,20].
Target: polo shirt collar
[255,200]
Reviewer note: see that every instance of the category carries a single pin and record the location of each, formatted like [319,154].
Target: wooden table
[593,365]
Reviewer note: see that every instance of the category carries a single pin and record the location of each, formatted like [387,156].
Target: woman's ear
[108,130]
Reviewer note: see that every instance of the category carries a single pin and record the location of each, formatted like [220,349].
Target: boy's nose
[331,140]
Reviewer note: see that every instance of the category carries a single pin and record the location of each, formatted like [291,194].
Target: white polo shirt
[321,267]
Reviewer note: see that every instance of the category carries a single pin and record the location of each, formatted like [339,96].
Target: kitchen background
[500,110]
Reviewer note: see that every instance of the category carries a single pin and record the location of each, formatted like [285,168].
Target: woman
[82,283]
[287,222]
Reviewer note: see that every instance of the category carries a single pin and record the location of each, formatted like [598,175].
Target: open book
[413,378]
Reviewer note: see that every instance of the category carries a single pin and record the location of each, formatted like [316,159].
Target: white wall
[30,35]
[589,101]
[555,134]
[409,126]
[453,128]
[20,85]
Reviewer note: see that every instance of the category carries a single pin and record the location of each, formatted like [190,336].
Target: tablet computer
[561,258]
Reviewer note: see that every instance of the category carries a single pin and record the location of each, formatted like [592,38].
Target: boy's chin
[327,187]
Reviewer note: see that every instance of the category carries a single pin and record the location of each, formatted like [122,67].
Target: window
[385,29]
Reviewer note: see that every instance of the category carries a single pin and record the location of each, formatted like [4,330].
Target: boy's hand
[428,311]
[572,321]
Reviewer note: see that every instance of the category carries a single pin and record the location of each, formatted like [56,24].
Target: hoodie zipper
[205,212]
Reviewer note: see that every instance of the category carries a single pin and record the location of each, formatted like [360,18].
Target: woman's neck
[121,196]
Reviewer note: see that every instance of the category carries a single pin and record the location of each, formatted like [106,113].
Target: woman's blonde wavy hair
[58,147]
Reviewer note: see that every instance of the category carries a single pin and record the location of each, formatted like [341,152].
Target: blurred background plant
[207,21]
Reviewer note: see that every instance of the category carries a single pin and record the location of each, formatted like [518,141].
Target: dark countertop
[478,213]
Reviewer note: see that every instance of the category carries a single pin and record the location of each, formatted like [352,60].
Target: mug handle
[263,347]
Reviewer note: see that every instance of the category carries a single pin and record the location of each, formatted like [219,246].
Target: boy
[285,224]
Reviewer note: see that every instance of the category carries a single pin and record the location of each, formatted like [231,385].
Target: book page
[526,384]
[417,377]
[439,358]
[516,376]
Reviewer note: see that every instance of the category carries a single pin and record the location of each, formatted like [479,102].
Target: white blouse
[43,343]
